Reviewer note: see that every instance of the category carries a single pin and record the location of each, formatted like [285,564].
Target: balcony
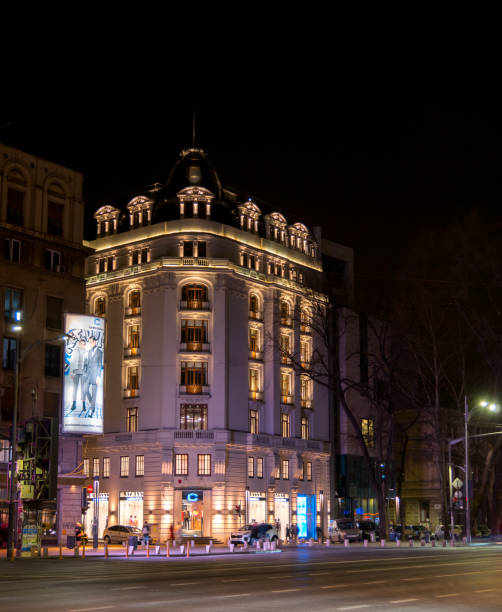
[133,311]
[201,434]
[194,390]
[194,305]
[131,393]
[195,347]
[256,355]
[133,351]
[256,395]
[195,261]
[286,399]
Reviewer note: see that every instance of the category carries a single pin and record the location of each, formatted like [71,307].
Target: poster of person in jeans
[83,374]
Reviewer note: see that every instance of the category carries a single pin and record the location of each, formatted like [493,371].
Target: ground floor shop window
[99,510]
[192,512]
[257,507]
[306,516]
[282,514]
[131,508]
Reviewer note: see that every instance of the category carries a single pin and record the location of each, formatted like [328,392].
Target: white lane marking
[183,583]
[127,588]
[286,591]
[279,577]
[375,582]
[236,580]
[484,590]
[354,607]
[406,567]
[335,586]
[237,595]
[89,609]
[319,573]
[410,579]
[399,601]
[458,574]
[447,595]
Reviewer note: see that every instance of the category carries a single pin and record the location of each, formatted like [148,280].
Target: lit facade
[207,424]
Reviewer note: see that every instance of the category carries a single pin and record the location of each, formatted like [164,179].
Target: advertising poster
[83,374]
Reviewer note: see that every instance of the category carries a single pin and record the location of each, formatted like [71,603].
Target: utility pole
[467,492]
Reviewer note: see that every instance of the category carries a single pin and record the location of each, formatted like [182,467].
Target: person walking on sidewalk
[146,533]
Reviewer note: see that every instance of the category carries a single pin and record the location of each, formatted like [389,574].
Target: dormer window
[140,211]
[275,227]
[195,202]
[249,215]
[107,218]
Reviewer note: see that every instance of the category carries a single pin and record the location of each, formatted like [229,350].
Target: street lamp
[18,328]
[492,407]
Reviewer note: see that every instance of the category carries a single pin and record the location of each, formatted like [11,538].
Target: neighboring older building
[207,425]
[41,276]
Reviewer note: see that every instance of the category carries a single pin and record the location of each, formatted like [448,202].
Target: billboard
[83,374]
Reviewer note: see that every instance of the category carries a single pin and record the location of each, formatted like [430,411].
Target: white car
[116,534]
[256,531]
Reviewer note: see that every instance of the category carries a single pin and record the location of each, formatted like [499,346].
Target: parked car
[344,529]
[253,532]
[116,534]
[443,531]
[368,528]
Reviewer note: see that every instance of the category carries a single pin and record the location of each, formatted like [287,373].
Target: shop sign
[256,496]
[102,496]
[281,497]
[131,495]
[192,496]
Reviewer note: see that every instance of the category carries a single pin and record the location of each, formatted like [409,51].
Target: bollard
[106,550]
[131,550]
[60,551]
[346,543]
[167,548]
[127,551]
[452,542]
[188,550]
[382,543]
[398,542]
[411,543]
[76,551]
[273,545]
[433,543]
[182,548]
[365,543]
[464,540]
[45,552]
[422,542]
[147,550]
[372,536]
[192,543]
[208,548]
[83,550]
[157,550]
[444,543]
[328,542]
[257,544]
[231,548]
[310,542]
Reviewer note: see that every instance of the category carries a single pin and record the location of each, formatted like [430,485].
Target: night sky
[373,149]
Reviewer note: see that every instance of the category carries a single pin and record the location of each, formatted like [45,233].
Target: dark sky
[372,148]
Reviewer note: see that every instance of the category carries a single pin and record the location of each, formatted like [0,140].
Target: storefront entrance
[192,512]
[131,508]
[306,516]
[257,508]
[282,516]
[102,515]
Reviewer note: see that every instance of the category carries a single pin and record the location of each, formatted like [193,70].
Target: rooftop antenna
[193,130]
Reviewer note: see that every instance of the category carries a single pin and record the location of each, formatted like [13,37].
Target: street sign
[457,483]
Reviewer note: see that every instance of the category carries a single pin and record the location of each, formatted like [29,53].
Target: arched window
[195,296]
[254,307]
[285,313]
[100,306]
[135,299]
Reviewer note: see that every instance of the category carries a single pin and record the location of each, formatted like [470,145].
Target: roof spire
[193,129]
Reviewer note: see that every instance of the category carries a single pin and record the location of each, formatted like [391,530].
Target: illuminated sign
[131,495]
[192,497]
[301,515]
[83,374]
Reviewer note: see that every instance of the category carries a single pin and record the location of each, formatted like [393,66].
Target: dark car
[368,528]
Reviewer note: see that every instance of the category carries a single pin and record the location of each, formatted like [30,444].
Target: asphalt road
[301,579]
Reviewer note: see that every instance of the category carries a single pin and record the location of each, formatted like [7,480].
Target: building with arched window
[205,294]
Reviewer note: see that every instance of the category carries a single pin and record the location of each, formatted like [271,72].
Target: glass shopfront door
[192,512]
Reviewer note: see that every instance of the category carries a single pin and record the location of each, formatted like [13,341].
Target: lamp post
[11,533]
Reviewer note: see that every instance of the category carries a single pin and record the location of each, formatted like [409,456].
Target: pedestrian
[171,532]
[288,533]
[294,532]
[319,533]
[146,533]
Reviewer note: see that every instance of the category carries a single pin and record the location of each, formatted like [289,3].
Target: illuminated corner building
[206,422]
[41,277]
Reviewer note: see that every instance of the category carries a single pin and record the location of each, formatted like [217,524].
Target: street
[298,579]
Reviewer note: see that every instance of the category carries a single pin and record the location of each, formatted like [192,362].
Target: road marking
[279,577]
[236,580]
[354,607]
[319,573]
[399,601]
[183,583]
[127,588]
[238,595]
[447,595]
[335,586]
[286,590]
[410,579]
[484,591]
[458,574]
[89,609]
[375,582]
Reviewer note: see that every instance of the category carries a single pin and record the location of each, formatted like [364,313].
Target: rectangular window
[254,423]
[133,377]
[305,428]
[285,349]
[368,432]
[140,465]
[95,467]
[132,419]
[188,248]
[193,416]
[54,313]
[285,425]
[250,467]
[302,471]
[9,353]
[15,205]
[201,249]
[193,333]
[86,468]
[133,337]
[55,218]
[124,467]
[13,303]
[106,467]
[254,344]
[285,469]
[181,465]
[52,260]
[193,375]
[254,379]
[13,250]
[52,360]
[204,465]
[136,258]
[259,467]
[285,387]
[309,470]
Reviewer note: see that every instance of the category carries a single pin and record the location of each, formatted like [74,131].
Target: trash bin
[133,541]
[70,541]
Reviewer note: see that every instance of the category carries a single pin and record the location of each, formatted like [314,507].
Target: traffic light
[85,500]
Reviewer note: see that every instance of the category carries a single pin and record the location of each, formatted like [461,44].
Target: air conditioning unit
[61,268]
